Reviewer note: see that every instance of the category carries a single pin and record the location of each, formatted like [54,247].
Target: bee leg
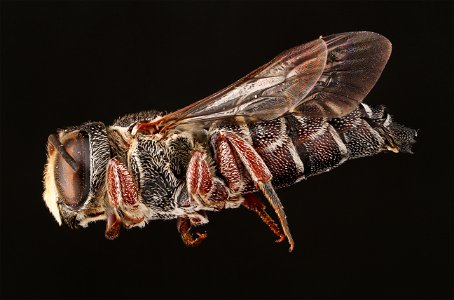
[260,174]
[253,203]
[187,235]
[270,194]
[123,205]
[202,184]
[113,224]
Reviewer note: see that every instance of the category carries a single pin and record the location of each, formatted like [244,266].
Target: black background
[378,227]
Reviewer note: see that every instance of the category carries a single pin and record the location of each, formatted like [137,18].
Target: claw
[281,238]
[253,203]
[189,239]
[200,237]
[187,235]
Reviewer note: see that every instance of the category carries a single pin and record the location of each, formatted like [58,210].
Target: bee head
[74,176]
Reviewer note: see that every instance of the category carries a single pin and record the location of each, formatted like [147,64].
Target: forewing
[266,93]
[327,77]
[355,62]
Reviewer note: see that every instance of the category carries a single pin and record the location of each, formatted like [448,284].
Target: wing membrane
[267,92]
[354,64]
[327,77]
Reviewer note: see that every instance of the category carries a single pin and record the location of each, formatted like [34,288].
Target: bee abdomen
[359,137]
[273,144]
[319,146]
[295,147]
[324,144]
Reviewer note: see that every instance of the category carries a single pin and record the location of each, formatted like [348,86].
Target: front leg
[122,205]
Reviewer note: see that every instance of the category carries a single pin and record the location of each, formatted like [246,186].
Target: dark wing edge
[355,62]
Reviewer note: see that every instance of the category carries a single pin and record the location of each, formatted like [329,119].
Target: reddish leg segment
[187,235]
[253,203]
[259,172]
[249,157]
[123,206]
[113,224]
[227,163]
[202,185]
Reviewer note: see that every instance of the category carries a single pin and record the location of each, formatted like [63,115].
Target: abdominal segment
[295,147]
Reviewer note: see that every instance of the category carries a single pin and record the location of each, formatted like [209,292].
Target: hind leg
[228,145]
[253,203]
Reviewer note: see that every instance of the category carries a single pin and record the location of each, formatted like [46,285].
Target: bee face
[75,174]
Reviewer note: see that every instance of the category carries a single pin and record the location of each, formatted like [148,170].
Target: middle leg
[185,225]
[203,186]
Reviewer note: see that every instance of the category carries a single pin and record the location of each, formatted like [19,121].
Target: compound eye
[72,169]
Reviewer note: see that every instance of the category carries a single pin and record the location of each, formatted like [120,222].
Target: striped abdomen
[295,147]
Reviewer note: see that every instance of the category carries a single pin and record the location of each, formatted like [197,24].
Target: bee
[297,116]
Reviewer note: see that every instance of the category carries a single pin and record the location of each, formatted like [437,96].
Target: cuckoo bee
[297,116]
